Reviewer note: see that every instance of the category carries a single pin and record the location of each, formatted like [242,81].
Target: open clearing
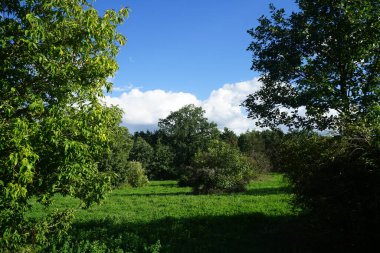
[258,220]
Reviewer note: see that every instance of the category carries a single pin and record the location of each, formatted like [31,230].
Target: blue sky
[181,46]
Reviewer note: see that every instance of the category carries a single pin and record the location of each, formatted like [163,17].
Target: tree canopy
[188,131]
[56,57]
[320,65]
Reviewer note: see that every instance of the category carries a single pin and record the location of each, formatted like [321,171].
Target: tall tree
[56,57]
[320,65]
[188,131]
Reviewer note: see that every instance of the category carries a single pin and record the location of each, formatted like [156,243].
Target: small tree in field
[56,57]
[135,175]
[221,168]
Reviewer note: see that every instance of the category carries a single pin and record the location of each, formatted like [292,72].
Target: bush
[136,175]
[337,179]
[221,168]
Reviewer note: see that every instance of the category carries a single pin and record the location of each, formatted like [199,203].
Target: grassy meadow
[258,220]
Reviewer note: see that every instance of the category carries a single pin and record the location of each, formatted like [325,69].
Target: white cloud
[144,108]
[223,105]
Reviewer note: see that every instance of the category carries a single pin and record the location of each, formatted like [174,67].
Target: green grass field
[258,220]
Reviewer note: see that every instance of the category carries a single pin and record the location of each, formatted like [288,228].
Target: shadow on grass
[268,191]
[243,233]
[255,192]
[154,194]
[167,184]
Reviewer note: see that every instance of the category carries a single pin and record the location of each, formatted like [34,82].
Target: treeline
[188,148]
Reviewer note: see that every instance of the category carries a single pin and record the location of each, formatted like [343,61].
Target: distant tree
[116,159]
[229,137]
[151,137]
[323,57]
[251,142]
[187,131]
[56,57]
[141,152]
[263,145]
[161,165]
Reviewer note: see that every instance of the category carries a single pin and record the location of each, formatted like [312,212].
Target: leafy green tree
[187,131]
[141,152]
[323,57]
[161,165]
[56,57]
[116,159]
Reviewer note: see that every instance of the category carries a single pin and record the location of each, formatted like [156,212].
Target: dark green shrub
[337,179]
[136,175]
[221,168]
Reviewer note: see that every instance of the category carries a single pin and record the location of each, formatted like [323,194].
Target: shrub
[221,168]
[136,175]
[337,179]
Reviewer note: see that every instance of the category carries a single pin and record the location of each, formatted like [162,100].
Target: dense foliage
[320,65]
[135,175]
[142,152]
[188,131]
[56,57]
[321,70]
[161,165]
[221,168]
[337,179]
[263,148]
[116,159]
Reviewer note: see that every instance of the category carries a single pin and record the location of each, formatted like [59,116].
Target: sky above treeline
[186,52]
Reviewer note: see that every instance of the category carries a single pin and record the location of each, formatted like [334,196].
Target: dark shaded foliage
[337,179]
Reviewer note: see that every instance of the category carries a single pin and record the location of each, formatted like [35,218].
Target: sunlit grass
[183,222]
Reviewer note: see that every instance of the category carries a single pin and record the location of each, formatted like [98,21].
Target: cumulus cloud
[223,105]
[142,109]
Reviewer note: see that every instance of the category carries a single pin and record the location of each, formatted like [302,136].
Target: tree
[115,160]
[56,57]
[229,137]
[325,58]
[141,152]
[221,168]
[320,66]
[161,165]
[187,131]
